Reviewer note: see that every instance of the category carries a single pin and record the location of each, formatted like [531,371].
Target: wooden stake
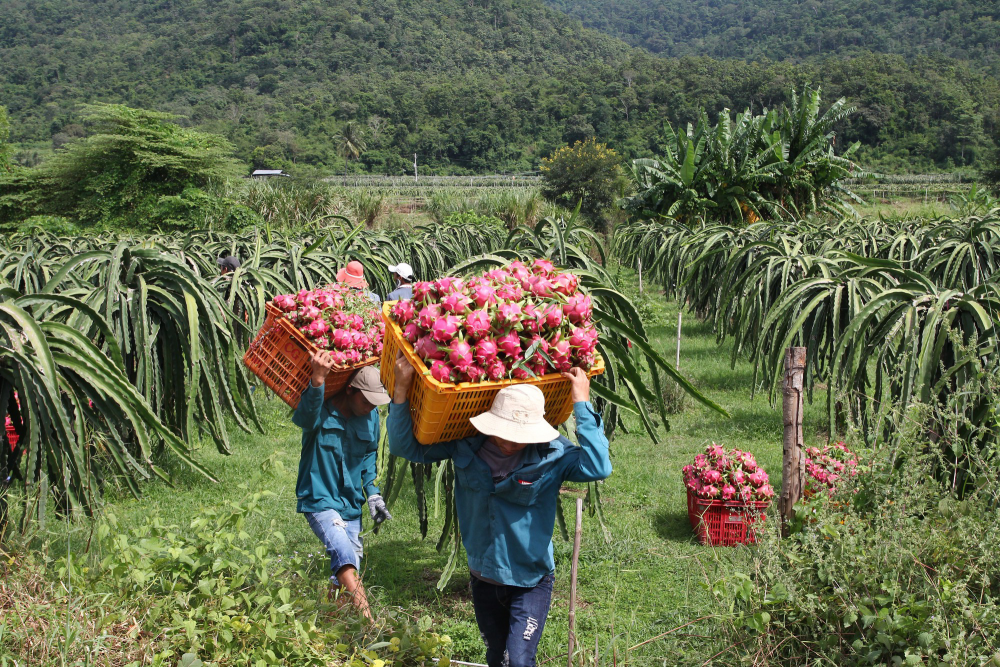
[572,581]
[640,275]
[793,462]
[677,365]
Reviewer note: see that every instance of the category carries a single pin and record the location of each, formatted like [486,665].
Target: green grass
[646,579]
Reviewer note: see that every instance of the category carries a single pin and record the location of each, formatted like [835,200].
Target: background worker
[403,273]
[228,264]
[354,275]
[507,485]
[337,469]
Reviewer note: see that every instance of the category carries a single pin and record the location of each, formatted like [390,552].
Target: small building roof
[269,172]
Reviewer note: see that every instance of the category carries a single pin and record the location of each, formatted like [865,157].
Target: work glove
[376,506]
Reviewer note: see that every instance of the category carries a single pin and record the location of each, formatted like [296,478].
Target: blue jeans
[342,539]
[511,620]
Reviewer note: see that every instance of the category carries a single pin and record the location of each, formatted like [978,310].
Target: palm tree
[351,142]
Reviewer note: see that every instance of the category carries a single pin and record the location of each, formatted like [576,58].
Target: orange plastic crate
[723,523]
[441,411]
[279,356]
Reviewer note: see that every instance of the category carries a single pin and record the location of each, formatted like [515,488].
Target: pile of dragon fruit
[517,321]
[829,465]
[733,475]
[338,318]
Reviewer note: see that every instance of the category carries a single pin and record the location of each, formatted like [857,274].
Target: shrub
[586,174]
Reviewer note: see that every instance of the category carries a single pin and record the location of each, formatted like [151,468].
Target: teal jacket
[337,468]
[507,527]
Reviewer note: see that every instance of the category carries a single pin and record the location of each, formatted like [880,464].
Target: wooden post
[793,462]
[640,275]
[572,581]
[677,364]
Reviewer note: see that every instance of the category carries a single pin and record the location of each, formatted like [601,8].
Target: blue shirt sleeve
[403,444]
[310,407]
[369,466]
[593,460]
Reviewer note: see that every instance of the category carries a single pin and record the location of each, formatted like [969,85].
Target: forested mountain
[799,29]
[468,85]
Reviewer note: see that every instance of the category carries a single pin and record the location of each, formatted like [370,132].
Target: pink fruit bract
[446,328]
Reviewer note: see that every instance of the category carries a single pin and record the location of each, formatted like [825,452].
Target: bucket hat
[518,415]
[353,274]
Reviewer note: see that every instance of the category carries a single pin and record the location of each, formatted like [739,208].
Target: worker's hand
[404,378]
[579,384]
[321,363]
[376,506]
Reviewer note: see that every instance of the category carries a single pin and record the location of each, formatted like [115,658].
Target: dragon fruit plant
[336,318]
[519,321]
[827,466]
[733,475]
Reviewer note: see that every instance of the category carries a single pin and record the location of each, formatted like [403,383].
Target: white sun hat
[518,415]
[404,270]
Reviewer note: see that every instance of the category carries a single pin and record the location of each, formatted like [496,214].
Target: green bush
[586,174]
[207,592]
[893,570]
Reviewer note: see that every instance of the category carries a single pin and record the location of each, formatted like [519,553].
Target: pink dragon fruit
[411,332]
[457,304]
[532,318]
[486,351]
[449,285]
[423,291]
[522,373]
[583,339]
[316,328]
[478,323]
[495,370]
[728,491]
[553,317]
[712,476]
[518,270]
[510,344]
[508,314]
[542,267]
[446,328]
[498,276]
[427,348]
[566,284]
[484,294]
[339,357]
[285,303]
[474,373]
[441,371]
[460,355]
[324,300]
[560,353]
[307,314]
[429,314]
[404,311]
[510,292]
[540,286]
[578,308]
[305,298]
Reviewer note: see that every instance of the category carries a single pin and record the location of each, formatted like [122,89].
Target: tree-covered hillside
[469,86]
[799,29]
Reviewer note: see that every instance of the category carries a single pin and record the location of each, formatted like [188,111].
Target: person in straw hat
[337,469]
[354,275]
[507,486]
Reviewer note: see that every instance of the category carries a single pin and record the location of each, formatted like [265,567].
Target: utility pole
[414,167]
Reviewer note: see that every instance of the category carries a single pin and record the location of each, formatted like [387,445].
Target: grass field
[641,579]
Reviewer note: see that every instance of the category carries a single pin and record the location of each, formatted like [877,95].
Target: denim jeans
[342,539]
[511,620]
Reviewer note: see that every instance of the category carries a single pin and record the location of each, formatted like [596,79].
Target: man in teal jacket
[337,468]
[507,486]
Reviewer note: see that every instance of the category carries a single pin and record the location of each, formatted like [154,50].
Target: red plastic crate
[722,523]
[279,357]
[12,436]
